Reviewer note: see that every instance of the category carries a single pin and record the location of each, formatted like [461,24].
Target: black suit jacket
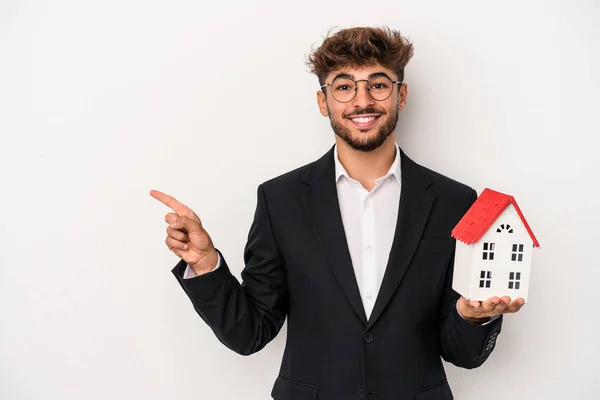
[298,266]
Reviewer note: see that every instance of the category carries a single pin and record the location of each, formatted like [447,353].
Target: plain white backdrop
[100,102]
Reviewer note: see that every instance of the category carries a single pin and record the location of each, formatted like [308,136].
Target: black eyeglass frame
[322,87]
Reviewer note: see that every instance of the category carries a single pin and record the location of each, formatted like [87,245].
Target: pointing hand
[186,237]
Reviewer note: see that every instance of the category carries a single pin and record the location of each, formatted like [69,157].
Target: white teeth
[363,120]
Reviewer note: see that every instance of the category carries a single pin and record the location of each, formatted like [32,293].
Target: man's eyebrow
[344,76]
[376,74]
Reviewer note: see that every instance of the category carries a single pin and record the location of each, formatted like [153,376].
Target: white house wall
[461,280]
[501,266]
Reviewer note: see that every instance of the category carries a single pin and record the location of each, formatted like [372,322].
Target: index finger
[171,202]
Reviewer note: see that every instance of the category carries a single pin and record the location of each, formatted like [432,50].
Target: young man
[354,249]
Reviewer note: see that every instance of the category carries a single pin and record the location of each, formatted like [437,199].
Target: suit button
[361,394]
[368,337]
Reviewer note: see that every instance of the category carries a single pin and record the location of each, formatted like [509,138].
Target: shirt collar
[341,171]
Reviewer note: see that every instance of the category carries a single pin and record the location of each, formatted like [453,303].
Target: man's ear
[322,102]
[403,95]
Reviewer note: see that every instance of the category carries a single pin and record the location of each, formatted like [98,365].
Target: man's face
[364,123]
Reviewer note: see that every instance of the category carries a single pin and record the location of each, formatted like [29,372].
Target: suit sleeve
[247,316]
[462,343]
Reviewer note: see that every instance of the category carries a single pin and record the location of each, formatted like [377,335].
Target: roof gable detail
[482,214]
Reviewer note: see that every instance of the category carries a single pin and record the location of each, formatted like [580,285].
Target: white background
[102,101]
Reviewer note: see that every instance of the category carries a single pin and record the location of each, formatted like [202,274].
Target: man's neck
[366,167]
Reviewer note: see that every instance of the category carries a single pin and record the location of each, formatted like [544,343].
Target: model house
[494,246]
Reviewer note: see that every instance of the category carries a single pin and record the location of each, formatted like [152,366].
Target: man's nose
[362,97]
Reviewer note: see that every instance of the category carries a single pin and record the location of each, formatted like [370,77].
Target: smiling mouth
[365,121]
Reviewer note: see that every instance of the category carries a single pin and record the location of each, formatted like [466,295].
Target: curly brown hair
[359,47]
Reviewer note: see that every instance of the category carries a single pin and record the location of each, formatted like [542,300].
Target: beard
[368,143]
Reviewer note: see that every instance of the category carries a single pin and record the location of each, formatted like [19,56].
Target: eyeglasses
[344,89]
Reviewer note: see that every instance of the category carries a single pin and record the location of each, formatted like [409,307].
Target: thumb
[185,224]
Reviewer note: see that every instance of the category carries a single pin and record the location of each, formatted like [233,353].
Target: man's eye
[343,87]
[379,86]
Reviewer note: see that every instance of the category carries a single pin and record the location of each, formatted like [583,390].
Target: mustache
[368,110]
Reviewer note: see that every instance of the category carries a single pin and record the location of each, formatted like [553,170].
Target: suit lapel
[321,202]
[413,212]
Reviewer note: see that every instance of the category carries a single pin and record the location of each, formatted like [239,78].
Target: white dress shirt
[369,220]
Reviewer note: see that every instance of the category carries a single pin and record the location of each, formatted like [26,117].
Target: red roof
[482,214]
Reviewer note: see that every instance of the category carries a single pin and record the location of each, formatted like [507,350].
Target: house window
[517,252]
[485,279]
[514,280]
[488,251]
[504,227]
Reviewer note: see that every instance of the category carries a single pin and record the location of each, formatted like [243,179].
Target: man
[354,249]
